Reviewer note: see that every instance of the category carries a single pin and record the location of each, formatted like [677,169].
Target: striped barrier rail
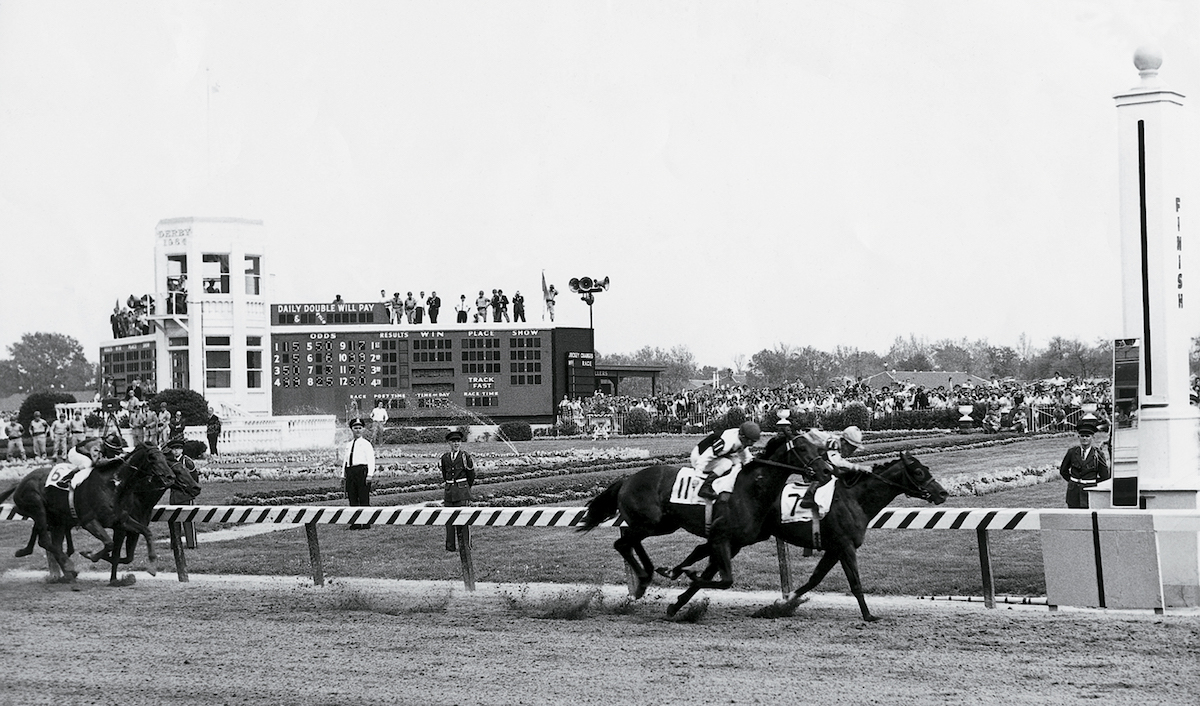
[982,520]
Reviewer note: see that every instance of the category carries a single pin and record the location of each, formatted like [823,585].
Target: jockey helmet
[751,431]
[112,445]
[853,436]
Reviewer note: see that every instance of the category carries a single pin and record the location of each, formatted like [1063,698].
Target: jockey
[721,452]
[835,446]
[94,455]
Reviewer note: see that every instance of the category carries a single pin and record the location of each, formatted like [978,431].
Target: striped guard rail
[899,518]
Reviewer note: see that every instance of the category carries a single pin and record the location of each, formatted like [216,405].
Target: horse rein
[920,493]
[790,447]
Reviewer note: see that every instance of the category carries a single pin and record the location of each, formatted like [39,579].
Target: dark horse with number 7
[858,497]
[644,503]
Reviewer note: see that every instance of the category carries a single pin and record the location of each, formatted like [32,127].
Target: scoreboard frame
[424,373]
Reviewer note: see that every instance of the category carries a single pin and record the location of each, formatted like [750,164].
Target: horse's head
[913,478]
[148,461]
[795,453]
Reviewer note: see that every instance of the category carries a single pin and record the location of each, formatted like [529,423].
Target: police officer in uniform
[458,474]
[177,459]
[1084,466]
[359,464]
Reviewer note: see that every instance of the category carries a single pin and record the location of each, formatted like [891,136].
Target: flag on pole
[545,295]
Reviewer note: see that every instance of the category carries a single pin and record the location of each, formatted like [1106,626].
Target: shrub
[515,431]
[637,421]
[190,402]
[666,425]
[94,420]
[41,402]
[567,427]
[856,414]
[408,435]
[918,419]
[194,449]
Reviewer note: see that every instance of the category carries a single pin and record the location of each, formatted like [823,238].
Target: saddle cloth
[66,476]
[793,493]
[686,490]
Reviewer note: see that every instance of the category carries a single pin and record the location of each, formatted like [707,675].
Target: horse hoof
[126,580]
[672,610]
[870,618]
[152,569]
[22,552]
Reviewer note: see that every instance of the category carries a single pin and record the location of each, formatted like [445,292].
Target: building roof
[929,379]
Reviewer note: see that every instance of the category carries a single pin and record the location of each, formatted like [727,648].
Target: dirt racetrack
[261,640]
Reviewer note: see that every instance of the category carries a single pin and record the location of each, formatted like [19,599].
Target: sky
[747,174]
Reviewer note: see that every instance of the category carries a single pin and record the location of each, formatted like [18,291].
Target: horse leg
[721,562]
[828,559]
[115,558]
[131,541]
[701,551]
[850,566]
[28,548]
[692,589]
[139,529]
[52,543]
[627,545]
[97,530]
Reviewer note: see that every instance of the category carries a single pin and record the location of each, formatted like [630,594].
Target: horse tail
[601,507]
[6,494]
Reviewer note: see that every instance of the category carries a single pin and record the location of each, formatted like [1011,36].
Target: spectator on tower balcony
[396,308]
[419,314]
[434,302]
[481,306]
[462,308]
[518,304]
[337,299]
[410,308]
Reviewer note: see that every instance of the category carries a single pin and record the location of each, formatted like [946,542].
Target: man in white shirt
[358,463]
[379,417]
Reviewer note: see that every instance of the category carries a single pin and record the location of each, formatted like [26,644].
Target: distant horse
[644,503]
[138,503]
[857,498]
[98,501]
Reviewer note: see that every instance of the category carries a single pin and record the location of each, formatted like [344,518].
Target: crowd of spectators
[132,319]
[1006,403]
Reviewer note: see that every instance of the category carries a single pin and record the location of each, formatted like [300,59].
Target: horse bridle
[919,491]
[790,447]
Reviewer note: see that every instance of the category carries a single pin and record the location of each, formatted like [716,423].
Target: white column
[1155,247]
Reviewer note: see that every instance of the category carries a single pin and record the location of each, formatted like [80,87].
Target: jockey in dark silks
[835,446]
[721,455]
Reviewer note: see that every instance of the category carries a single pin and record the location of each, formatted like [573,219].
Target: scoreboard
[424,372]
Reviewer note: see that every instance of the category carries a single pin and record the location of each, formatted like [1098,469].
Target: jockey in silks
[89,454]
[835,446]
[722,453]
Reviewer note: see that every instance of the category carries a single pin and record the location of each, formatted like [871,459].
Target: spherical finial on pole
[1147,59]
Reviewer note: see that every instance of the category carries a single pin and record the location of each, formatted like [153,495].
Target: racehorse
[97,503]
[138,502]
[644,503]
[857,498]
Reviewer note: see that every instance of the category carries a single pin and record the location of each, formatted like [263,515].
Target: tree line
[54,361]
[786,363]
